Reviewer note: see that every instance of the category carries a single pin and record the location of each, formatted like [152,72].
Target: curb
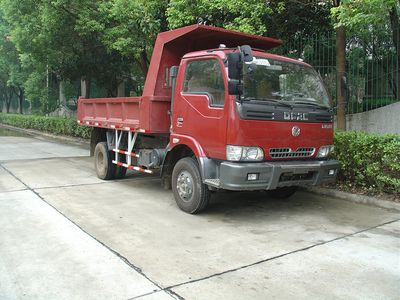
[39,134]
[363,199]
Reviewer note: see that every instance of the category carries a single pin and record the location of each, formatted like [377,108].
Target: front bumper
[271,175]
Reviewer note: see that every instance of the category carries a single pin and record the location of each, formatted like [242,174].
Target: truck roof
[256,52]
[172,45]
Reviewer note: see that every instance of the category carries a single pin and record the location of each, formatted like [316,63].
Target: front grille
[288,153]
[324,118]
[286,177]
[260,115]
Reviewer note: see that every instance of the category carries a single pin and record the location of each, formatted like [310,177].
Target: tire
[103,165]
[283,192]
[120,171]
[191,195]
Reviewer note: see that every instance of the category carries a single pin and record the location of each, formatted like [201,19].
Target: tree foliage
[11,75]
[243,15]
[298,19]
[360,15]
[101,41]
[377,27]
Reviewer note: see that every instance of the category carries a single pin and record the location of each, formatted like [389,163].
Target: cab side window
[204,76]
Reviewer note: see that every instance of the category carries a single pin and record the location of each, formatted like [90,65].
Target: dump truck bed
[141,114]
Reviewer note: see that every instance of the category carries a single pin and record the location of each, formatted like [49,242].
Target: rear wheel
[283,192]
[120,171]
[103,165]
[191,195]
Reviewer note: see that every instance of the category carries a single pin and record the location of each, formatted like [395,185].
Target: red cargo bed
[128,113]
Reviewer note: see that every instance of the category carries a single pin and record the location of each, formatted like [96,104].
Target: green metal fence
[372,67]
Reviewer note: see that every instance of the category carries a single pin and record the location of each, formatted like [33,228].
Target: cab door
[200,105]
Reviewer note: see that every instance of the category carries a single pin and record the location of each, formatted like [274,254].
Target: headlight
[240,153]
[324,151]
[234,153]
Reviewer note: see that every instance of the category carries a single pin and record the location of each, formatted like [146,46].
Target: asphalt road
[64,234]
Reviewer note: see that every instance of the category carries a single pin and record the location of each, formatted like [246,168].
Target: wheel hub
[184,185]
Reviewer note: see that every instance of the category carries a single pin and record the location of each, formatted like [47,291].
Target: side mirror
[235,65]
[235,73]
[247,55]
[236,61]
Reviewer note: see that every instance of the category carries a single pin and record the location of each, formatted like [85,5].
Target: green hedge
[369,161]
[64,126]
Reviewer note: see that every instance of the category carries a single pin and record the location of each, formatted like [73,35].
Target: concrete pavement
[44,256]
[66,234]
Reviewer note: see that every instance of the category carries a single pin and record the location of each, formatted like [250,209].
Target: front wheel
[191,195]
[283,192]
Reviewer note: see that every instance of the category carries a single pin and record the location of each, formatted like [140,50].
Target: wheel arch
[180,146]
[97,135]
[186,146]
[171,158]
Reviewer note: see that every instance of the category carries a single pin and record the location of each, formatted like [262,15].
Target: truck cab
[234,117]
[272,131]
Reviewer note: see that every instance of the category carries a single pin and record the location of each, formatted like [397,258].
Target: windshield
[282,81]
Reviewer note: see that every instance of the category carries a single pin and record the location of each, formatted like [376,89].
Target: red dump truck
[217,112]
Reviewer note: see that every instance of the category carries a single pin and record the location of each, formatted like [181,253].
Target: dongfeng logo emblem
[295,131]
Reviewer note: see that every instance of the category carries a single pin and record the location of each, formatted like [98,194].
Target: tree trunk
[85,87]
[395,26]
[341,77]
[143,62]
[88,87]
[8,97]
[19,92]
[61,95]
[121,89]
[21,100]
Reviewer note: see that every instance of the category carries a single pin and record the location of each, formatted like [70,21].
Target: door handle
[179,122]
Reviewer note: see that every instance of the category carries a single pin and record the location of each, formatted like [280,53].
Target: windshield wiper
[268,100]
[288,95]
[310,103]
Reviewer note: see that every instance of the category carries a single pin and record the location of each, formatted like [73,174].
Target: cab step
[213,182]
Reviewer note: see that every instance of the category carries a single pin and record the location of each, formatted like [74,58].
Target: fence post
[340,77]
